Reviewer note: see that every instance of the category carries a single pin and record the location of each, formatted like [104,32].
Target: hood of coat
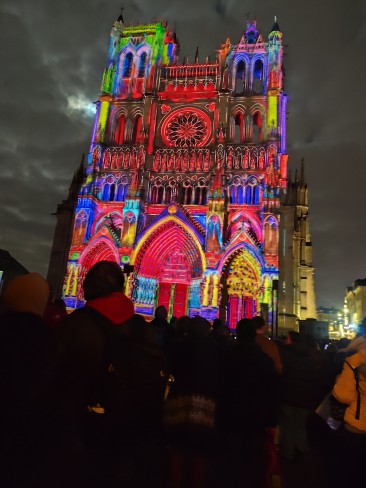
[26,293]
[116,307]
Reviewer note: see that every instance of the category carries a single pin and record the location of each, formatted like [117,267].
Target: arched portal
[241,281]
[168,269]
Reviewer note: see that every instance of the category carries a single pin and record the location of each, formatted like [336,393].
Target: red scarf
[116,307]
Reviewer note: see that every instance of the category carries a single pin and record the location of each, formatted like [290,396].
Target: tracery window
[109,190]
[188,127]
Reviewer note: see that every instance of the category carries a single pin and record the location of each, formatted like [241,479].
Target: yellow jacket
[345,391]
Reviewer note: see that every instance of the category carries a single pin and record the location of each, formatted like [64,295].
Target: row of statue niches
[165,160]
[200,160]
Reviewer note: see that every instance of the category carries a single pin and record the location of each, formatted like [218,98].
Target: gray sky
[52,56]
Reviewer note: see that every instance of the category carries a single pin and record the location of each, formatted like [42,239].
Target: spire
[302,173]
[196,56]
[275,27]
[120,18]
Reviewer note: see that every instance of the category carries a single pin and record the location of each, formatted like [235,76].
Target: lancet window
[142,65]
[258,77]
[127,65]
[239,128]
[240,77]
[271,236]
[257,128]
[200,193]
[119,132]
[80,228]
[137,129]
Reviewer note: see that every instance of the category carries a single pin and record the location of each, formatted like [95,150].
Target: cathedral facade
[184,175]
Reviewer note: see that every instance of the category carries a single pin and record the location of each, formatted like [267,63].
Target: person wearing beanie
[24,368]
[26,293]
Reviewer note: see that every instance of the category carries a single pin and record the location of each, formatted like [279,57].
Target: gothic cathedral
[184,176]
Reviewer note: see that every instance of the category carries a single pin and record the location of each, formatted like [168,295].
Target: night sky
[52,57]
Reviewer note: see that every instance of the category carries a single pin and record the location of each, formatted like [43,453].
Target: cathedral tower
[184,174]
[296,295]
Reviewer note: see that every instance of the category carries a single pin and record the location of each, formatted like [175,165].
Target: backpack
[337,408]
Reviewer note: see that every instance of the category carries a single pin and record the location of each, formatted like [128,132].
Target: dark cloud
[52,57]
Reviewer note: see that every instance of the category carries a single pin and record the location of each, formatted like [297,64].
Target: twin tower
[186,180]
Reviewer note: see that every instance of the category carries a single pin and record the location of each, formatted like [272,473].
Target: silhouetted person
[190,412]
[162,330]
[268,347]
[24,368]
[246,408]
[85,342]
[304,384]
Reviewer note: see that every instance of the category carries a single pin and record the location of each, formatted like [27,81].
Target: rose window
[186,129]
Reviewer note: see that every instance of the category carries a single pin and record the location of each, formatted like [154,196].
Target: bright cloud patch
[79,103]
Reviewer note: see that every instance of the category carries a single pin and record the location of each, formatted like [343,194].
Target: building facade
[334,317]
[184,175]
[355,305]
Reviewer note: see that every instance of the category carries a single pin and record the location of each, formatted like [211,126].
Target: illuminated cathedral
[184,175]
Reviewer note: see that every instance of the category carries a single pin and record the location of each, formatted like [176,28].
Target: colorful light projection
[171,255]
[183,176]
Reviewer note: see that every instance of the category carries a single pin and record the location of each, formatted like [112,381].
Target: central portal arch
[169,266]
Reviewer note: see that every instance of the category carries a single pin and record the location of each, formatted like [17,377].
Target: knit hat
[26,293]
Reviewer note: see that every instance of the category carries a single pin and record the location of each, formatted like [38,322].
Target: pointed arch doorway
[171,259]
[241,282]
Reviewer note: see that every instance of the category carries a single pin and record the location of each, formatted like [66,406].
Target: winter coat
[345,388]
[89,346]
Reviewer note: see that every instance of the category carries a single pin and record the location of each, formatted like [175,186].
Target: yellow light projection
[244,276]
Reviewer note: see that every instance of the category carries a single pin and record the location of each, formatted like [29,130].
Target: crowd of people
[100,398]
